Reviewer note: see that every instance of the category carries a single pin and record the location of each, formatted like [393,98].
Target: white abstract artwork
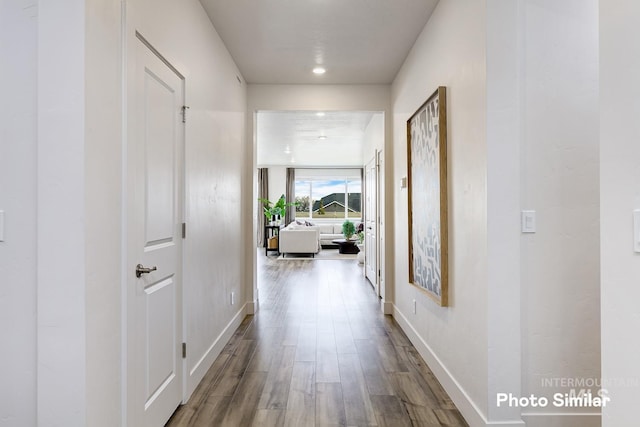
[427,194]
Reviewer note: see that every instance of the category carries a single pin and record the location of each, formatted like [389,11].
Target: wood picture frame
[428,202]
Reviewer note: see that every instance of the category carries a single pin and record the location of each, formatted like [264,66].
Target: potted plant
[267,209]
[360,233]
[348,229]
[274,211]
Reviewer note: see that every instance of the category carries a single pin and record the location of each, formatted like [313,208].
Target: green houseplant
[267,208]
[275,210]
[348,229]
[360,233]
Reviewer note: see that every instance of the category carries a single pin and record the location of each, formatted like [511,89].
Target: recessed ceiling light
[287,150]
[319,70]
[322,137]
[320,114]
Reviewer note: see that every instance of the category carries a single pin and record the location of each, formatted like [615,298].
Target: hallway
[318,352]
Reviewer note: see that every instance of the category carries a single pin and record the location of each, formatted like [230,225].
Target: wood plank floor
[318,353]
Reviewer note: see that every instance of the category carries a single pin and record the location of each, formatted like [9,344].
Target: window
[354,198]
[329,197]
[303,197]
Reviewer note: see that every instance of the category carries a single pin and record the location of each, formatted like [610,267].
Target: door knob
[140,270]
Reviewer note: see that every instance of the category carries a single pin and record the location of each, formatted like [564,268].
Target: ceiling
[281,41]
[310,138]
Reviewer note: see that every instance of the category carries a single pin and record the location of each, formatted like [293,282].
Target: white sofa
[329,232]
[299,239]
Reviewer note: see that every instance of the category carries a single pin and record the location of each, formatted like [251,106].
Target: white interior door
[371,218]
[155,164]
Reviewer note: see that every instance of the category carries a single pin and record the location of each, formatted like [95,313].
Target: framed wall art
[427,184]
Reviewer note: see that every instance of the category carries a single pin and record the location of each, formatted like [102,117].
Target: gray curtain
[263,192]
[290,195]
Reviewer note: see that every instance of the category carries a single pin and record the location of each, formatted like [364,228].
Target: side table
[271,231]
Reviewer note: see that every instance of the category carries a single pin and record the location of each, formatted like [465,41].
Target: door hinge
[184,350]
[184,230]
[379,273]
[184,113]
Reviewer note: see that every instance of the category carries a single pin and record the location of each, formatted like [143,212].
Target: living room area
[317,185]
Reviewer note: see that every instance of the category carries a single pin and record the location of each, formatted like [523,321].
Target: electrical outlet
[233,298]
[415,306]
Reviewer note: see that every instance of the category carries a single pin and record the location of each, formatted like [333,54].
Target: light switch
[528,221]
[1,226]
[636,230]
[403,182]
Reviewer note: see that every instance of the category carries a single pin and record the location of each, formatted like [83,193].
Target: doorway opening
[320,160]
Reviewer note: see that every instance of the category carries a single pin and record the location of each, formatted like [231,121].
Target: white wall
[18,22]
[560,166]
[318,97]
[505,48]
[103,207]
[44,48]
[277,182]
[61,227]
[620,195]
[453,340]
[373,139]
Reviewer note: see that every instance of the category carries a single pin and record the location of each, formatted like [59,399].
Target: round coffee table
[346,246]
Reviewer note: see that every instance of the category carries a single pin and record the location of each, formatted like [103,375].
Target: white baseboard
[471,413]
[200,368]
[252,307]
[386,307]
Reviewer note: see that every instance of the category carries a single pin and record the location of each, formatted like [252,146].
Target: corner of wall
[619,197]
[386,307]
